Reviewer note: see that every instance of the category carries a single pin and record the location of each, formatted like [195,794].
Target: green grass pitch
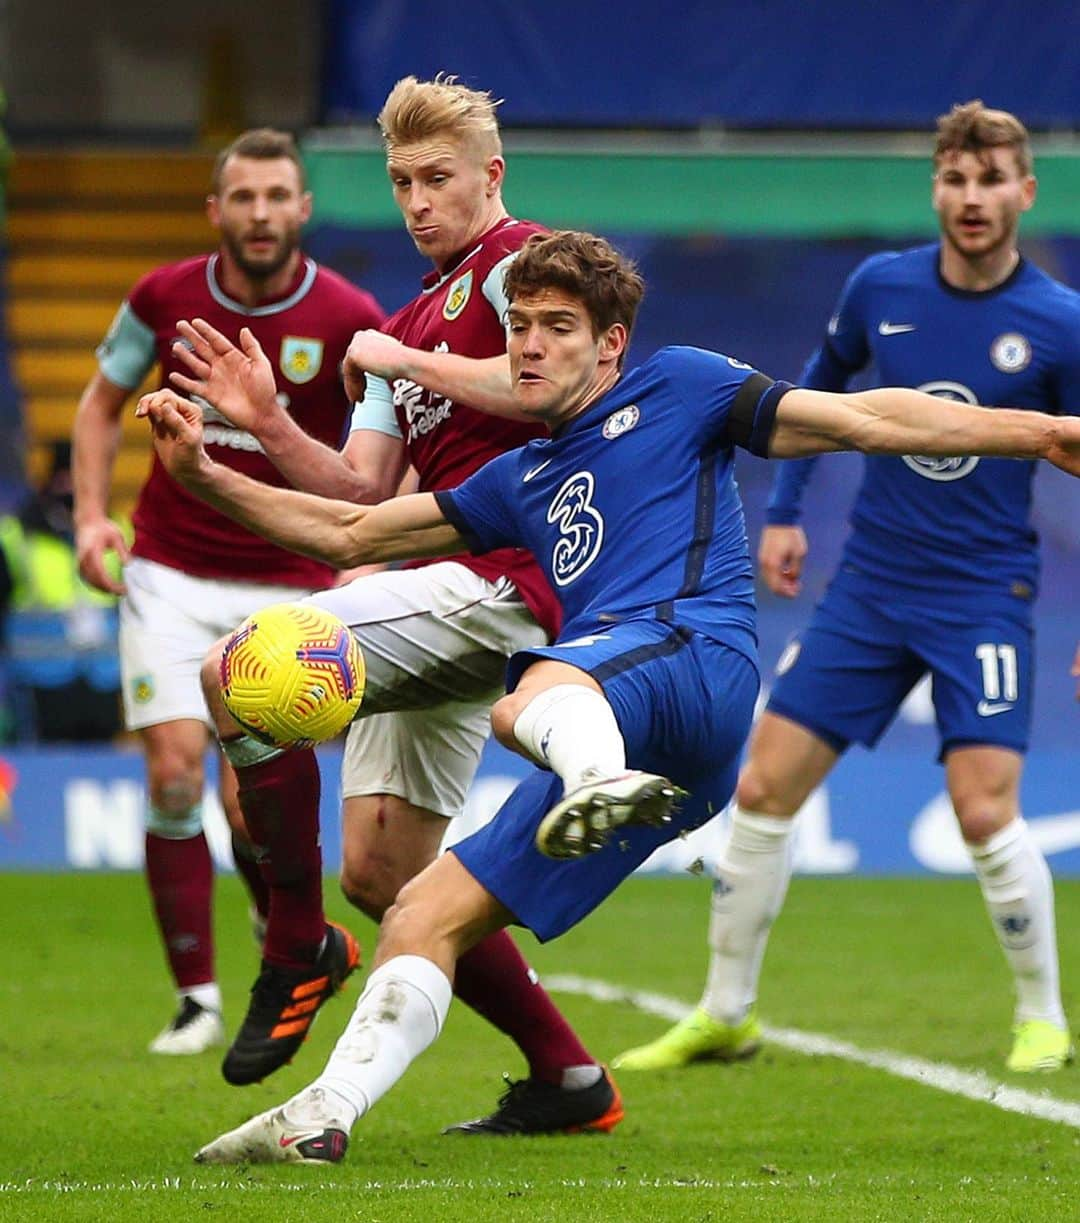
[96,1129]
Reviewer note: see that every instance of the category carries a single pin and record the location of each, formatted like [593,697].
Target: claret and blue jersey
[631,508]
[946,526]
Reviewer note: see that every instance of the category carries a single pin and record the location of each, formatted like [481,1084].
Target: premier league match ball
[292,675]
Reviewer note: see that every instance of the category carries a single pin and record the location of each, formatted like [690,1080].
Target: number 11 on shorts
[1000,675]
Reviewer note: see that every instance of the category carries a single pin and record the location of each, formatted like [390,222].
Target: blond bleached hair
[971,127]
[417,110]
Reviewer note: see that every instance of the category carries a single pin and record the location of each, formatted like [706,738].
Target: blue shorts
[845,677]
[684,703]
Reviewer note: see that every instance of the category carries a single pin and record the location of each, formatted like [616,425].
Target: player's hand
[178,434]
[781,552]
[237,381]
[1076,670]
[370,352]
[94,541]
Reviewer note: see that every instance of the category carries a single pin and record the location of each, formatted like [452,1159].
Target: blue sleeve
[841,354]
[731,403]
[844,350]
[784,508]
[482,510]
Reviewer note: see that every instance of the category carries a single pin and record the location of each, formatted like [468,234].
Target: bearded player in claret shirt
[192,573]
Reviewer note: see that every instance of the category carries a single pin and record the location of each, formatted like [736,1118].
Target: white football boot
[193,1029]
[307,1129]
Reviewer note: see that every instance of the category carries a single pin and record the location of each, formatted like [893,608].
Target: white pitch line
[973,1085]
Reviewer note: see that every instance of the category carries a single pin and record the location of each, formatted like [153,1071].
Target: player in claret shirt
[436,637]
[192,572]
[938,577]
[645,698]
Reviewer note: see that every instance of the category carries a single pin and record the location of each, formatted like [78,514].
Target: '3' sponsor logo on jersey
[581,528]
[939,467]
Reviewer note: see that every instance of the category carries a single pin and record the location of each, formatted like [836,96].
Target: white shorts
[435,642]
[168,620]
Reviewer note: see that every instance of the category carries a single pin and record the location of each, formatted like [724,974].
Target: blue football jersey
[945,526]
[631,508]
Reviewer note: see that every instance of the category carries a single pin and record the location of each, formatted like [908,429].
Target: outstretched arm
[339,532]
[482,383]
[899,421]
[239,382]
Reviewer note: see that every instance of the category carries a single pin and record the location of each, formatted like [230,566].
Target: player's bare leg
[785,763]
[558,716]
[179,873]
[388,841]
[984,784]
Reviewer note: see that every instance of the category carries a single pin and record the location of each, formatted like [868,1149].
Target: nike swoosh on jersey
[592,639]
[535,471]
[887,328]
[987,709]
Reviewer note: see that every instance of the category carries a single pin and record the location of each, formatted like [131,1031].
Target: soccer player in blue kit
[938,575]
[630,507]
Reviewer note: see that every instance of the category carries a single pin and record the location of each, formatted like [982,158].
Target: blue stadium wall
[775,63]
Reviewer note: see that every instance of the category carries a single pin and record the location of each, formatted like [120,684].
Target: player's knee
[985,798]
[174,810]
[409,922]
[174,782]
[759,790]
[983,814]
[367,886]
[504,714]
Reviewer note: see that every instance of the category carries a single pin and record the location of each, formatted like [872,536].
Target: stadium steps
[82,228]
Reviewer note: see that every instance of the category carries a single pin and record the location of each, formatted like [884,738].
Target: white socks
[399,1014]
[752,875]
[572,728]
[1019,895]
[208,996]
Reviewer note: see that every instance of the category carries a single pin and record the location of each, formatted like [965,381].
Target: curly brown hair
[584,266]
